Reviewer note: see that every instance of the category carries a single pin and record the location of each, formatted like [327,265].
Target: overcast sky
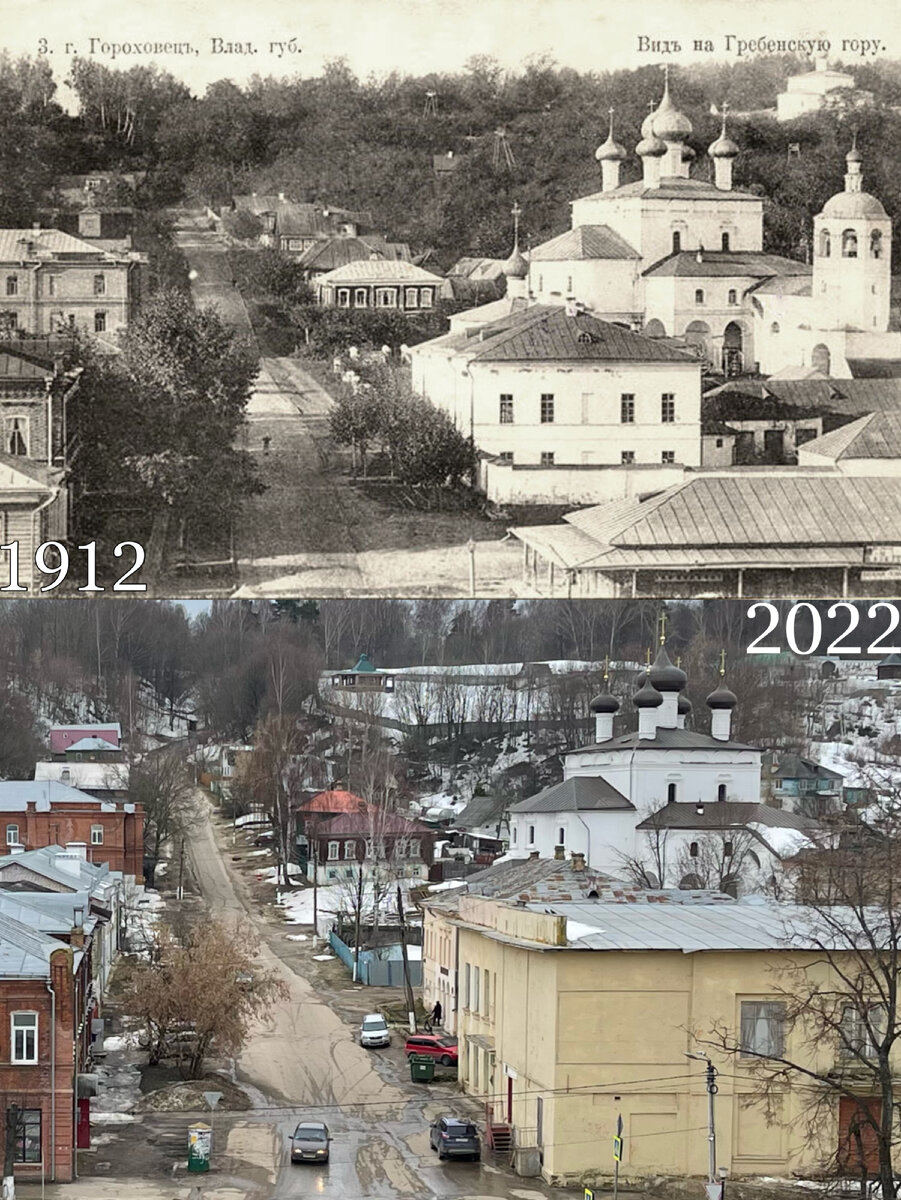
[418,36]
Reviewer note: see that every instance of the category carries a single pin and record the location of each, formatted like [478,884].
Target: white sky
[418,36]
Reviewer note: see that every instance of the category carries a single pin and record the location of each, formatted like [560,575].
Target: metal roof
[23,951]
[585,241]
[43,863]
[787,765]
[664,739]
[16,794]
[725,814]
[379,270]
[330,253]
[674,188]
[690,928]
[580,793]
[18,245]
[547,332]
[710,264]
[778,508]
[877,435]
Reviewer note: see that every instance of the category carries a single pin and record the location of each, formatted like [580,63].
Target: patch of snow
[577,929]
[258,853]
[112,1118]
[273,874]
[323,957]
[447,885]
[250,819]
[297,937]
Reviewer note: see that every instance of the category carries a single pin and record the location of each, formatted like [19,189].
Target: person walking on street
[436,1013]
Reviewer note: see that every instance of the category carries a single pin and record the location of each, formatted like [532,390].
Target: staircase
[500,1139]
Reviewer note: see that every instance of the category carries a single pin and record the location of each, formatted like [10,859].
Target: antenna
[430,108]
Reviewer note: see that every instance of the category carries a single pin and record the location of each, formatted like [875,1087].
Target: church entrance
[733,345]
[697,334]
[820,359]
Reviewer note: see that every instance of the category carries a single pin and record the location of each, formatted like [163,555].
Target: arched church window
[733,296]
[725,241]
[820,359]
[825,244]
[693,850]
[699,296]
[876,244]
[677,241]
[721,792]
[774,328]
[670,793]
[849,244]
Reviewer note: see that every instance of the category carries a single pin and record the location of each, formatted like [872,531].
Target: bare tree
[648,866]
[716,860]
[161,785]
[837,1006]
[274,779]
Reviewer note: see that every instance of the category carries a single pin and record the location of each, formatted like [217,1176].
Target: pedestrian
[436,1013]
[266,443]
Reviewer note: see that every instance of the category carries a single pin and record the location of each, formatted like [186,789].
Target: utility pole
[712,1089]
[358,907]
[311,846]
[9,1153]
[181,870]
[411,1008]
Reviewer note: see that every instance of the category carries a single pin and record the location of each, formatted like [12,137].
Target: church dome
[647,696]
[723,147]
[668,123]
[853,205]
[516,266]
[688,154]
[604,703]
[854,155]
[722,698]
[664,676]
[650,147]
[684,706]
[610,151]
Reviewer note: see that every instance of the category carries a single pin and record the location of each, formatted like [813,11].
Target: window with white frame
[411,297]
[859,1031]
[343,297]
[96,835]
[12,835]
[333,848]
[426,296]
[386,297]
[762,1028]
[531,835]
[466,983]
[475,990]
[99,285]
[360,298]
[415,847]
[350,849]
[12,285]
[24,1040]
[16,435]
[486,992]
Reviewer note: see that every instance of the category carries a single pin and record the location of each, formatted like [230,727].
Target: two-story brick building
[38,813]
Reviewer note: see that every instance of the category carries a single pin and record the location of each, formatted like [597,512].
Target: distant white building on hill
[813,90]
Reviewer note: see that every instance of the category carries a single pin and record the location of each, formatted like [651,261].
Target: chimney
[578,861]
[76,936]
[534,854]
[281,197]
[68,862]
[559,853]
[78,848]
[16,848]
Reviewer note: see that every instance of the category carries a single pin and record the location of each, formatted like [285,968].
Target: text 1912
[806,633]
[53,561]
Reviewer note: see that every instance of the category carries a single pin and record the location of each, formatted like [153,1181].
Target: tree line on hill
[369,144]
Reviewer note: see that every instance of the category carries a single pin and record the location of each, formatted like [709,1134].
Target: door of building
[858,1146]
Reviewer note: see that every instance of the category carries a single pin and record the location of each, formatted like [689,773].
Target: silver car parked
[374,1031]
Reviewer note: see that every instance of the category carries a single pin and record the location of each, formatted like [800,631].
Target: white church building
[661,796]
[675,260]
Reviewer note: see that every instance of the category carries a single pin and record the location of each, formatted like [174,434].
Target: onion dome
[650,147]
[667,122]
[723,147]
[664,676]
[722,697]
[611,150]
[684,706]
[854,155]
[647,125]
[516,266]
[604,703]
[647,696]
[688,154]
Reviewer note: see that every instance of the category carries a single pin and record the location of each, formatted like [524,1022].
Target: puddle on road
[378,1160]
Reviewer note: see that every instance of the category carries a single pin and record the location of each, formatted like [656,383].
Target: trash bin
[200,1139]
[422,1068]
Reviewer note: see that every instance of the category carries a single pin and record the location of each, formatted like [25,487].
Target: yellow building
[571,1013]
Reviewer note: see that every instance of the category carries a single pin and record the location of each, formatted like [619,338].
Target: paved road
[306,1059]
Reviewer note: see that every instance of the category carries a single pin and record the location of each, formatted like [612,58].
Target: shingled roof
[581,793]
[877,435]
[709,264]
[584,242]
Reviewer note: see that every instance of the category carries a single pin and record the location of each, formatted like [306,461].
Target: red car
[442,1048]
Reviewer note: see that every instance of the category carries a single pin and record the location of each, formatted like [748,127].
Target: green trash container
[422,1068]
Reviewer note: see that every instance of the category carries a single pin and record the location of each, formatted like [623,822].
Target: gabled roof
[18,245]
[795,766]
[584,242]
[713,264]
[359,825]
[333,801]
[24,952]
[546,332]
[330,253]
[848,397]
[877,435]
[17,794]
[725,814]
[477,269]
[15,366]
[482,811]
[581,793]
[43,863]
[875,368]
[25,475]
[92,743]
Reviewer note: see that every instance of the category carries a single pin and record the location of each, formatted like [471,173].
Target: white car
[374,1031]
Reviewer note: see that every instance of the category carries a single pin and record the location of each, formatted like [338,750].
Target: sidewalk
[134,1189]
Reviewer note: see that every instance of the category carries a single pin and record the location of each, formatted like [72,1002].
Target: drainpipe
[52,1081]
[35,521]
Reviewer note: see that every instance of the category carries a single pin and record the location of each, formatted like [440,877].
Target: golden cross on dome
[662,627]
[648,655]
[606,667]
[722,664]
[516,213]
